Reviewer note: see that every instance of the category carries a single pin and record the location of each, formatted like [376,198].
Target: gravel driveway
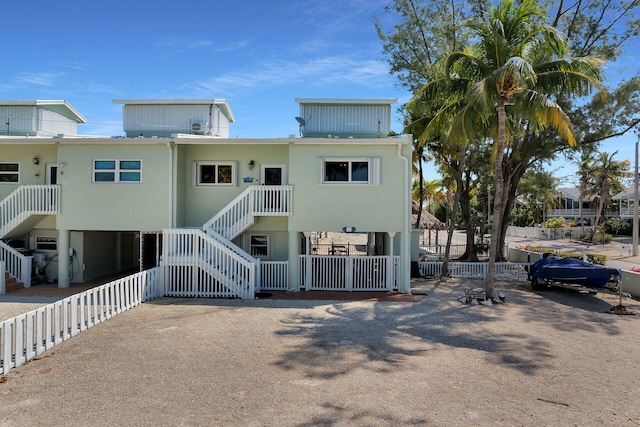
[555,358]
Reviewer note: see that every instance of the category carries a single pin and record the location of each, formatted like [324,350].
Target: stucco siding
[204,202]
[86,205]
[330,207]
[23,154]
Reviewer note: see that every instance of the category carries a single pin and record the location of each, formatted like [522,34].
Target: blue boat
[551,270]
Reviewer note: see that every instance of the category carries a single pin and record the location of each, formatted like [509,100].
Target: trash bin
[415,270]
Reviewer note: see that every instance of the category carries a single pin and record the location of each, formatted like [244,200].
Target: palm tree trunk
[454,217]
[496,222]
[421,184]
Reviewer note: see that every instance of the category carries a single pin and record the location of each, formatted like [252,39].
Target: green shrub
[481,246]
[597,236]
[554,223]
[618,226]
[575,255]
[597,259]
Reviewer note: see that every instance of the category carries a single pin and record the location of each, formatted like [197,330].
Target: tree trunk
[514,174]
[454,213]
[465,206]
[421,186]
[496,223]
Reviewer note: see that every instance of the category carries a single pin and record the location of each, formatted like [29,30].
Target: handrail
[240,213]
[17,265]
[213,254]
[25,201]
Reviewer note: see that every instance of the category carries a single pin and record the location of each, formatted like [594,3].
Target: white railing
[29,335]
[436,252]
[17,265]
[349,273]
[274,275]
[198,265]
[239,215]
[476,270]
[430,268]
[25,201]
[539,233]
[3,282]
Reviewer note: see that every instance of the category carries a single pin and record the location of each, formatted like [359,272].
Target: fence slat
[28,335]
[476,270]
[349,273]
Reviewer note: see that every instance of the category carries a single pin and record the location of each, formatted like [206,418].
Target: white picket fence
[476,270]
[29,335]
[437,252]
[349,273]
[274,275]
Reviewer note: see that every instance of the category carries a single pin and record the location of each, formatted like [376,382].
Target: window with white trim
[259,245]
[9,172]
[350,170]
[215,173]
[121,171]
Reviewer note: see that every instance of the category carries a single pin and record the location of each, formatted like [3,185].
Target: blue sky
[259,55]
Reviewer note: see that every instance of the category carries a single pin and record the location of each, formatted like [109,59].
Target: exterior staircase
[19,211]
[25,202]
[206,262]
[240,214]
[11,283]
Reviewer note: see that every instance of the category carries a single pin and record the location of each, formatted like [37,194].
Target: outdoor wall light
[36,160]
[251,164]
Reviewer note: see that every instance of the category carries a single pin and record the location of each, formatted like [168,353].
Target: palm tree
[607,174]
[585,172]
[510,73]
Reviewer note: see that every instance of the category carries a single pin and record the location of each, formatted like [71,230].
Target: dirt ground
[553,358]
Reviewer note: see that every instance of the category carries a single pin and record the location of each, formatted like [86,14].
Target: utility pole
[634,250]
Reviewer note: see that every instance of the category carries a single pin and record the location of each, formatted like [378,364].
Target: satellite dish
[301,122]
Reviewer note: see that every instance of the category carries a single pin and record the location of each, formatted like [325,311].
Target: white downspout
[405,287]
[170,146]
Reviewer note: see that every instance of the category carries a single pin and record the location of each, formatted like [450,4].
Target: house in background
[39,118]
[222,216]
[569,206]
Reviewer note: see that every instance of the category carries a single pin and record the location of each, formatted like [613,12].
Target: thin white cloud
[189,43]
[320,71]
[38,79]
[73,65]
[93,87]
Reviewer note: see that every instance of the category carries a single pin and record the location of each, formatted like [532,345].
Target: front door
[273,175]
[52,174]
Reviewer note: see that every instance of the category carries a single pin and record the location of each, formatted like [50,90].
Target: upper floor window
[9,172]
[350,170]
[215,173]
[117,171]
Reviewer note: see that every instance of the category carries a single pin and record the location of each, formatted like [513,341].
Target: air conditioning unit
[38,259]
[198,128]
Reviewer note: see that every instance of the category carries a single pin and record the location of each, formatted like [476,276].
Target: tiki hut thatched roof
[427,220]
